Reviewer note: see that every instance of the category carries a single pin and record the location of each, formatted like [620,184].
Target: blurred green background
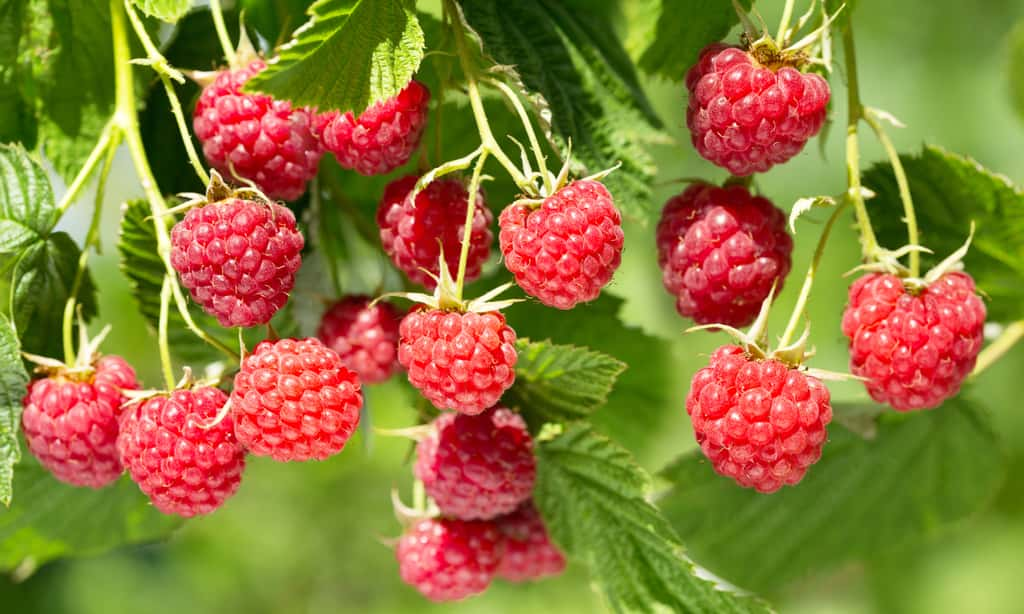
[305,538]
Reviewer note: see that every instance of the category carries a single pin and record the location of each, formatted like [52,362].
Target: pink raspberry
[720,250]
[448,560]
[294,401]
[477,467]
[71,422]
[383,137]
[567,249]
[186,462]
[915,347]
[238,259]
[759,422]
[529,552]
[746,117]
[413,234]
[254,137]
[460,361]
[364,336]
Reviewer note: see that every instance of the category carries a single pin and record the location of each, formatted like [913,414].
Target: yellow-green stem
[909,216]
[995,350]
[165,348]
[467,230]
[787,15]
[222,33]
[76,185]
[869,243]
[524,117]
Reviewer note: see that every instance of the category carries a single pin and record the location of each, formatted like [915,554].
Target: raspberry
[914,347]
[477,467]
[70,422]
[413,234]
[720,250]
[383,137]
[460,361]
[760,423]
[746,117]
[564,251]
[186,466]
[529,552]
[238,259]
[294,401]
[448,560]
[254,137]
[364,336]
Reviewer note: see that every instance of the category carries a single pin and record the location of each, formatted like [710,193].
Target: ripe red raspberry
[383,137]
[477,467]
[529,552]
[238,258]
[720,250]
[448,560]
[759,422]
[567,249]
[255,137]
[183,464]
[460,361]
[413,234]
[914,347]
[364,336]
[71,421]
[746,117]
[293,401]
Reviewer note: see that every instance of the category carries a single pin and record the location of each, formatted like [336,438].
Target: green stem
[800,308]
[87,168]
[869,243]
[787,15]
[222,33]
[904,188]
[524,117]
[995,350]
[467,231]
[165,349]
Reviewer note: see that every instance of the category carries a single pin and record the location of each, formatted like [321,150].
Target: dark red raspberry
[238,258]
[255,137]
[564,251]
[746,117]
[720,250]
[383,137]
[413,234]
[460,361]
[915,347]
[173,448]
[293,401]
[529,552]
[448,560]
[477,467]
[364,336]
[759,422]
[71,421]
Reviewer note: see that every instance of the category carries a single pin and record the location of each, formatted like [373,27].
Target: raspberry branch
[165,351]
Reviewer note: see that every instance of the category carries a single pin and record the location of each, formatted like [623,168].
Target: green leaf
[275,20]
[166,10]
[26,198]
[668,35]
[579,75]
[49,519]
[369,49]
[949,192]
[922,473]
[1016,69]
[556,383]
[13,380]
[592,496]
[15,102]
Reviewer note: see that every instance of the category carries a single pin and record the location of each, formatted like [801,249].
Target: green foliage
[556,383]
[922,473]
[592,496]
[13,380]
[351,55]
[15,104]
[1016,68]
[275,20]
[49,519]
[951,191]
[580,77]
[167,10]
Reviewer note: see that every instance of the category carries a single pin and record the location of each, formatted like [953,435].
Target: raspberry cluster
[914,347]
[759,422]
[365,336]
[720,251]
[254,137]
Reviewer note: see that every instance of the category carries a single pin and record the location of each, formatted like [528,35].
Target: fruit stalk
[165,350]
[467,232]
[107,136]
[222,33]
[904,188]
[524,117]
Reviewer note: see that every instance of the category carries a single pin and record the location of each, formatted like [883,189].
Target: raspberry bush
[446,223]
